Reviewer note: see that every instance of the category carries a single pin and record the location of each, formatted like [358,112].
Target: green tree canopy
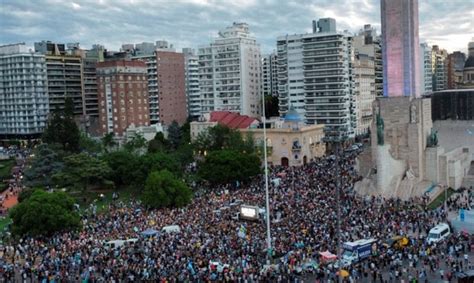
[81,170]
[44,213]
[108,142]
[224,166]
[137,144]
[159,161]
[158,144]
[44,165]
[125,168]
[89,145]
[62,128]
[174,135]
[221,137]
[163,189]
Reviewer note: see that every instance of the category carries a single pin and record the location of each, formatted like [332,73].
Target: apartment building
[123,96]
[230,72]
[64,73]
[24,104]
[191,73]
[315,78]
[270,75]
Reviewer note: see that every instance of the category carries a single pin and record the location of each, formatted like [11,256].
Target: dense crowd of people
[213,244]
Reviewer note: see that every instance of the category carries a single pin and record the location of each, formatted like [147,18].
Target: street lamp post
[267,198]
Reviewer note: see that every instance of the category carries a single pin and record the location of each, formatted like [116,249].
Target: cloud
[193,23]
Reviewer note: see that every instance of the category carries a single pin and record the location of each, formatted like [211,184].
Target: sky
[194,23]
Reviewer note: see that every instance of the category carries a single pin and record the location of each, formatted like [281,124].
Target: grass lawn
[5,170]
[85,199]
[440,199]
[4,221]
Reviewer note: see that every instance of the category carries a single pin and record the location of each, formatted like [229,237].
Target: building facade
[166,85]
[24,105]
[426,70]
[123,96]
[455,66]
[364,91]
[230,72]
[400,48]
[439,68]
[315,78]
[191,73]
[171,87]
[270,75]
[64,73]
[468,70]
[289,141]
[89,61]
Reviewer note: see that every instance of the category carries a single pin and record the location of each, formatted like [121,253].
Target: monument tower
[403,119]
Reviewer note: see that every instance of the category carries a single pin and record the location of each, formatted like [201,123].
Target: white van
[171,229]
[115,244]
[438,233]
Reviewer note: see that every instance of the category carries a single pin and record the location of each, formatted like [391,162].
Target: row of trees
[69,159]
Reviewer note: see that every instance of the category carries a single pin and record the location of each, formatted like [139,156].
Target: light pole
[267,200]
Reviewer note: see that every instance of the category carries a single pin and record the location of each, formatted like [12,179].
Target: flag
[242,231]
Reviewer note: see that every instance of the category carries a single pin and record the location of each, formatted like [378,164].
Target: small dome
[469,62]
[292,116]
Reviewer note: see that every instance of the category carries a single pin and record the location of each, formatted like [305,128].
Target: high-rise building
[166,85]
[171,87]
[191,72]
[315,79]
[400,48]
[468,70]
[64,76]
[89,61]
[270,75]
[426,70]
[24,103]
[439,58]
[366,70]
[370,44]
[455,66]
[229,72]
[123,96]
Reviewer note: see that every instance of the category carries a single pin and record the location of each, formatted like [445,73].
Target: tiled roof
[231,119]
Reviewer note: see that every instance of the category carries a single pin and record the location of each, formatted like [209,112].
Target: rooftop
[231,119]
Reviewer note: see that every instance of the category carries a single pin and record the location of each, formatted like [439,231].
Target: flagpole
[267,201]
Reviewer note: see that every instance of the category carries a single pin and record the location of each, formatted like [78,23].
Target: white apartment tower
[191,72]
[24,104]
[315,78]
[426,69]
[270,75]
[230,72]
[367,76]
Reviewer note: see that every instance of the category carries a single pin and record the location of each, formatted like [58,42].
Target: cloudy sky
[193,23]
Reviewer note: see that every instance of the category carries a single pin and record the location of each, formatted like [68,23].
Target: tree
[89,145]
[159,161]
[81,170]
[136,144]
[45,164]
[221,137]
[225,166]
[62,128]
[271,106]
[108,141]
[44,213]
[174,135]
[163,189]
[125,168]
[158,144]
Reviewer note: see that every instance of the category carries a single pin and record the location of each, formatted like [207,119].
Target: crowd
[214,245]
[15,183]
